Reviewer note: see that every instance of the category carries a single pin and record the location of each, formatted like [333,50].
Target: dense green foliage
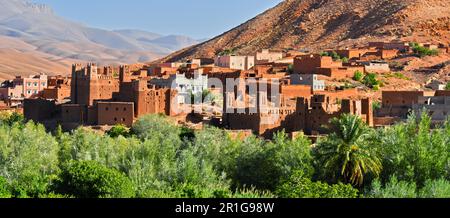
[358,76]
[371,80]
[5,191]
[156,158]
[90,179]
[334,55]
[119,130]
[447,87]
[299,186]
[402,189]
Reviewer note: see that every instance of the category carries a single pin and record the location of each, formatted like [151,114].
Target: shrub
[376,88]
[299,186]
[414,151]
[421,51]
[333,55]
[9,118]
[157,127]
[324,53]
[447,87]
[393,189]
[435,189]
[89,179]
[264,165]
[5,191]
[85,145]
[358,75]
[370,80]
[376,105]
[119,130]
[290,69]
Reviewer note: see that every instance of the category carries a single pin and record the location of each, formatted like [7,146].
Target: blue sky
[195,18]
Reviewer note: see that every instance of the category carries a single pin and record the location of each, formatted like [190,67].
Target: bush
[10,118]
[435,189]
[333,55]
[85,145]
[5,191]
[414,151]
[156,127]
[299,186]
[264,165]
[393,189]
[370,80]
[358,75]
[421,51]
[119,130]
[447,87]
[89,179]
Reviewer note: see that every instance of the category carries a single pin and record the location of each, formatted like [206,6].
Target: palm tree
[345,153]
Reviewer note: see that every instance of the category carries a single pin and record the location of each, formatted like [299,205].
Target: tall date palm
[346,154]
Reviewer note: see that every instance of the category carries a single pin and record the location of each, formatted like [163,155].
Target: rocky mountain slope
[317,24]
[36,33]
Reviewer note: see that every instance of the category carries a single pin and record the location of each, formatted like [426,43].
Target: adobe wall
[442,93]
[112,113]
[308,64]
[39,110]
[58,93]
[73,113]
[386,121]
[153,100]
[400,98]
[296,91]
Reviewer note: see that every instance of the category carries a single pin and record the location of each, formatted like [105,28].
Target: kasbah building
[259,93]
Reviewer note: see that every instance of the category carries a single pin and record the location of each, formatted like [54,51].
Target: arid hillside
[34,39]
[317,24]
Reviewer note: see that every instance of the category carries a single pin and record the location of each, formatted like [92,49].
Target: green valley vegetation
[422,51]
[157,159]
[371,81]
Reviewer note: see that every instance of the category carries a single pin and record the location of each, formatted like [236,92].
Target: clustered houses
[98,97]
[397,105]
[261,93]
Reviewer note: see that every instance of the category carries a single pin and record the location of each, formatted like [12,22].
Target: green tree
[346,154]
[5,190]
[435,189]
[9,118]
[264,165]
[156,126]
[414,151]
[28,158]
[299,186]
[86,145]
[89,179]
